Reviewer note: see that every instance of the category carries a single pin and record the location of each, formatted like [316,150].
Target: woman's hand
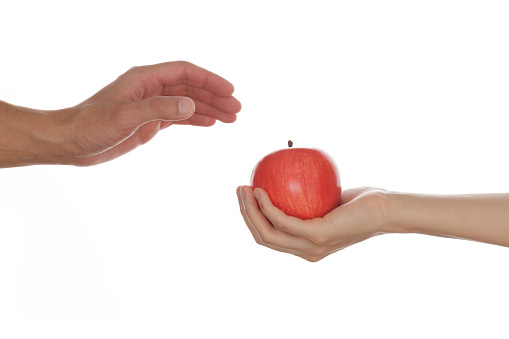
[366,212]
[361,215]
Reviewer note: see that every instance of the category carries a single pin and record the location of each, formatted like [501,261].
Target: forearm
[26,137]
[483,218]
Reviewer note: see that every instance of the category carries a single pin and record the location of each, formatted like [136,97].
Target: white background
[405,95]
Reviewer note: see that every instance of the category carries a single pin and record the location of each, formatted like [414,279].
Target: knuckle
[264,238]
[279,225]
[316,252]
[319,236]
[130,72]
[156,105]
[183,63]
[312,258]
[320,240]
[263,206]
[185,67]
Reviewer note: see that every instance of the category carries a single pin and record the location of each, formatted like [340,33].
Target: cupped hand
[360,215]
[136,106]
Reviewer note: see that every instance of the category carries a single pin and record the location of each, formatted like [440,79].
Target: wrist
[413,213]
[27,137]
[396,207]
[380,211]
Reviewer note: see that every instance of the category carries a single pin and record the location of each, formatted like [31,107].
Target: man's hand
[131,110]
[122,116]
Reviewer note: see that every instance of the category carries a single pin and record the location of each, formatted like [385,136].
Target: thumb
[159,108]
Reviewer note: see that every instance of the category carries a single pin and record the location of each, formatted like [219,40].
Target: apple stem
[290,143]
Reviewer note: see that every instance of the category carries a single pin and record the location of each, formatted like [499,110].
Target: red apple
[302,182]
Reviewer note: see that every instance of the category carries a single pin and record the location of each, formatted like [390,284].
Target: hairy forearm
[483,217]
[26,137]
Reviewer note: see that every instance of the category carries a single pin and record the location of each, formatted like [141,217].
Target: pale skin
[120,117]
[367,212]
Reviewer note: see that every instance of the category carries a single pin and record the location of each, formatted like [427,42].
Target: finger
[250,226]
[197,120]
[263,230]
[182,72]
[311,230]
[228,104]
[243,211]
[137,113]
[214,113]
[310,251]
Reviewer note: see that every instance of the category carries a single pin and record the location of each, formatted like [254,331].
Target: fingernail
[186,107]
[256,194]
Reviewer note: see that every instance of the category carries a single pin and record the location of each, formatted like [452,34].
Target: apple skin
[302,182]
